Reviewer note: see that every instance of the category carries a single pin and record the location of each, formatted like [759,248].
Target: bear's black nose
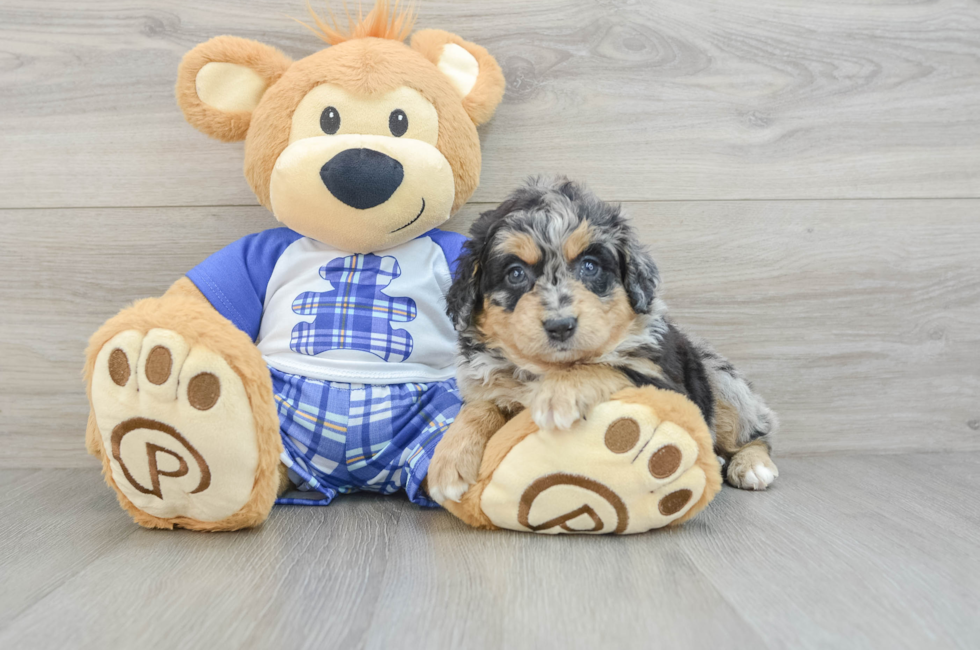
[362,178]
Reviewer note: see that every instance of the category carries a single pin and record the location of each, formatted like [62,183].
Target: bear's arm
[234,280]
[451,244]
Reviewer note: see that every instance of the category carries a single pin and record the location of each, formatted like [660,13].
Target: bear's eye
[398,123]
[329,120]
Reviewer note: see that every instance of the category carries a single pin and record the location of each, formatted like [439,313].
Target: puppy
[556,307]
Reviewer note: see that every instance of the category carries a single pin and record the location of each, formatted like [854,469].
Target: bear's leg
[639,461]
[182,415]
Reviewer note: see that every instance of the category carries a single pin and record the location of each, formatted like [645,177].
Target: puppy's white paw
[757,476]
[551,411]
[452,471]
[451,491]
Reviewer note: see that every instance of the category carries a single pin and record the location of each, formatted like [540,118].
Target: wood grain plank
[858,320]
[919,490]
[55,524]
[513,590]
[845,552]
[648,101]
[309,577]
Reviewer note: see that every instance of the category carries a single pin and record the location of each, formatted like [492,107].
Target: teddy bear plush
[317,358]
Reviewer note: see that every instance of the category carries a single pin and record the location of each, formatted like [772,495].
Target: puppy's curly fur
[556,306]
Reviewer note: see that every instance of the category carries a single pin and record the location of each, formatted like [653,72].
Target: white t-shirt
[322,313]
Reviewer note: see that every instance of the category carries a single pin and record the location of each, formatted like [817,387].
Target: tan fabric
[482,100]
[301,201]
[384,20]
[364,67]
[192,331]
[229,87]
[423,200]
[215,449]
[232,89]
[584,480]
[676,408]
[366,115]
[220,83]
[469,508]
[227,125]
[460,66]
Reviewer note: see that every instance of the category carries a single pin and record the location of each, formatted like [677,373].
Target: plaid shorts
[345,437]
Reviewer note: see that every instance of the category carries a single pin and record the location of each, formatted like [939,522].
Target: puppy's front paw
[453,470]
[755,472]
[554,410]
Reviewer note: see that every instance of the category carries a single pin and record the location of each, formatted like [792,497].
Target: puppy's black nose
[560,329]
[362,178]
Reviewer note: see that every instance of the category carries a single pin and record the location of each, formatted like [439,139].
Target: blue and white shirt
[322,313]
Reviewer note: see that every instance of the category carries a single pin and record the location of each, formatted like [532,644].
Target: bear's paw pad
[176,424]
[624,470]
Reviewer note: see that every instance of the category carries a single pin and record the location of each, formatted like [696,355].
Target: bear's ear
[472,71]
[220,82]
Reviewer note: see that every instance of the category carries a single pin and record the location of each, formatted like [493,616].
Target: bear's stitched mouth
[413,220]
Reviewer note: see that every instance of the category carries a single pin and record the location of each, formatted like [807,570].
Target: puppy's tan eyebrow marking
[522,245]
[577,242]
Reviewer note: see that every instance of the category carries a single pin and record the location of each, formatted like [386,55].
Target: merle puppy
[556,306]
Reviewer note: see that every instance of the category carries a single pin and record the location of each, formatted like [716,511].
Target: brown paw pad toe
[622,435]
[203,391]
[674,502]
[119,367]
[665,461]
[158,365]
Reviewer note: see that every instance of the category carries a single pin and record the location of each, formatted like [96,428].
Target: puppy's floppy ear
[464,295]
[638,270]
[220,82]
[469,67]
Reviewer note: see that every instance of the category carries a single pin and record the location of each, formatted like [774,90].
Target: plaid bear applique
[355,315]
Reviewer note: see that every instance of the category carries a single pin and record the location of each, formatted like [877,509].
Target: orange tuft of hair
[385,20]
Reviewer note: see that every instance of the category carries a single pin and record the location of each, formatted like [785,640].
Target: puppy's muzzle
[560,329]
[362,178]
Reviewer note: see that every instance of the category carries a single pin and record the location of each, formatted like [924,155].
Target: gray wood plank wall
[807,174]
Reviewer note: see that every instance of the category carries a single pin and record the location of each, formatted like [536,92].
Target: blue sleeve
[234,279]
[451,244]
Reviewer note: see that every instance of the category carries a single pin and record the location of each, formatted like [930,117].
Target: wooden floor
[807,174]
[844,552]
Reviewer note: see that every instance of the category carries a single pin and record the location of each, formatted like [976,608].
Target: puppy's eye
[398,123]
[516,275]
[589,268]
[329,120]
